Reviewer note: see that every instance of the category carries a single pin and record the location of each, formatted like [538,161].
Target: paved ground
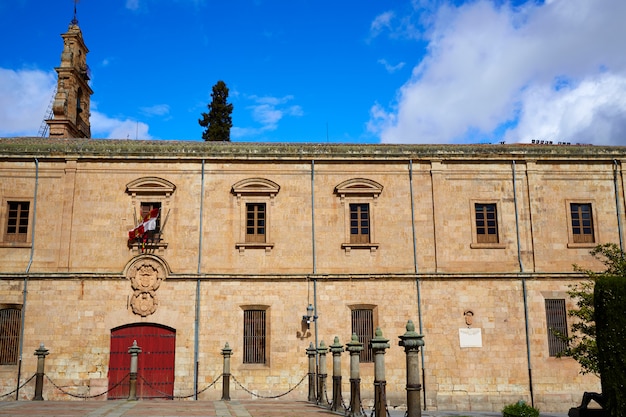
[161,408]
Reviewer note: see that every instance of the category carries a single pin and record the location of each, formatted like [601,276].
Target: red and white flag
[148,223]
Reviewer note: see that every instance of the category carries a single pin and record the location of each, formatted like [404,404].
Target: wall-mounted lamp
[309,316]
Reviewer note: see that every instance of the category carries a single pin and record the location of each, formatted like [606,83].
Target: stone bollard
[41,365]
[336,348]
[355,347]
[379,344]
[311,352]
[322,350]
[412,342]
[226,352]
[134,351]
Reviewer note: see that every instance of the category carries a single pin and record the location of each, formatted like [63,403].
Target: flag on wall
[148,223]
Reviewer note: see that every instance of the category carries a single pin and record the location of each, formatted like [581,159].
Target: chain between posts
[269,397]
[85,396]
[18,388]
[179,397]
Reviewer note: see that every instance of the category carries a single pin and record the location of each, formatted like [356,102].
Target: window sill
[349,246]
[488,246]
[253,366]
[581,245]
[254,245]
[15,245]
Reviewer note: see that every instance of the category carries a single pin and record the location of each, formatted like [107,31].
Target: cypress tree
[218,120]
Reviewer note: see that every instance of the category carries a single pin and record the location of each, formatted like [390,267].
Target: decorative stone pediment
[255,187]
[359,187]
[150,185]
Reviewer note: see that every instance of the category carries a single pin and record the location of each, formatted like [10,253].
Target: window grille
[360,223]
[486,223]
[363,327]
[10,324]
[582,223]
[17,221]
[556,319]
[255,222]
[254,336]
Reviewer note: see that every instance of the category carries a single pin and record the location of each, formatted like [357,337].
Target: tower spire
[71,106]
[75,20]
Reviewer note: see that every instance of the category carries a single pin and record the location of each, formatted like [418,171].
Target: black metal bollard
[322,350]
[379,344]
[226,352]
[134,351]
[336,348]
[412,341]
[355,347]
[41,365]
[311,352]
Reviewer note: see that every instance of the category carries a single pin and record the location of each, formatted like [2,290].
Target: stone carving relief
[146,275]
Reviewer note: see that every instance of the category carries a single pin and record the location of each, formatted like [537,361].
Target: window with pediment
[150,205]
[358,198]
[255,198]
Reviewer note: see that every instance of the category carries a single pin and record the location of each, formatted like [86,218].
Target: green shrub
[610,305]
[520,409]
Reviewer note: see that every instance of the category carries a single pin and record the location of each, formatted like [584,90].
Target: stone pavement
[162,408]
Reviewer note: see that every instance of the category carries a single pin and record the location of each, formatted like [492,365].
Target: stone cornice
[46,148]
[302,277]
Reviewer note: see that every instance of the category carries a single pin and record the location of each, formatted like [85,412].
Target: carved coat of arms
[145,278]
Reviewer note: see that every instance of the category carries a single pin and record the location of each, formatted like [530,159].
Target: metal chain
[268,397]
[328,403]
[180,397]
[21,386]
[86,396]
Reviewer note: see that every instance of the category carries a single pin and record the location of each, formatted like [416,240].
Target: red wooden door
[155,365]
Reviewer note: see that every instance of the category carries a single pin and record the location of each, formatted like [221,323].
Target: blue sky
[413,71]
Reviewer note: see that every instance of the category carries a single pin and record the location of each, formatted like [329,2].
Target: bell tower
[72,100]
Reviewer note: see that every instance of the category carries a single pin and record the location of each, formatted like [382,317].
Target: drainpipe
[524,292]
[313,249]
[25,290]
[619,219]
[417,280]
[197,319]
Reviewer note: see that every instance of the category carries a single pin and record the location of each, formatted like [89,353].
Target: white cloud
[592,112]
[24,98]
[268,112]
[381,22]
[491,66]
[156,110]
[132,4]
[106,127]
[391,68]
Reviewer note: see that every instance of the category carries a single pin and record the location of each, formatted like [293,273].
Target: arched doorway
[155,370]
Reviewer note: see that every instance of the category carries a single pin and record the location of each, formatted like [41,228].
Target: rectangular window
[582,223]
[254,336]
[10,324]
[255,222]
[486,223]
[556,319]
[363,327]
[17,221]
[360,223]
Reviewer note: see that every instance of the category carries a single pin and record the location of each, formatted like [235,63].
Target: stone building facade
[474,244]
